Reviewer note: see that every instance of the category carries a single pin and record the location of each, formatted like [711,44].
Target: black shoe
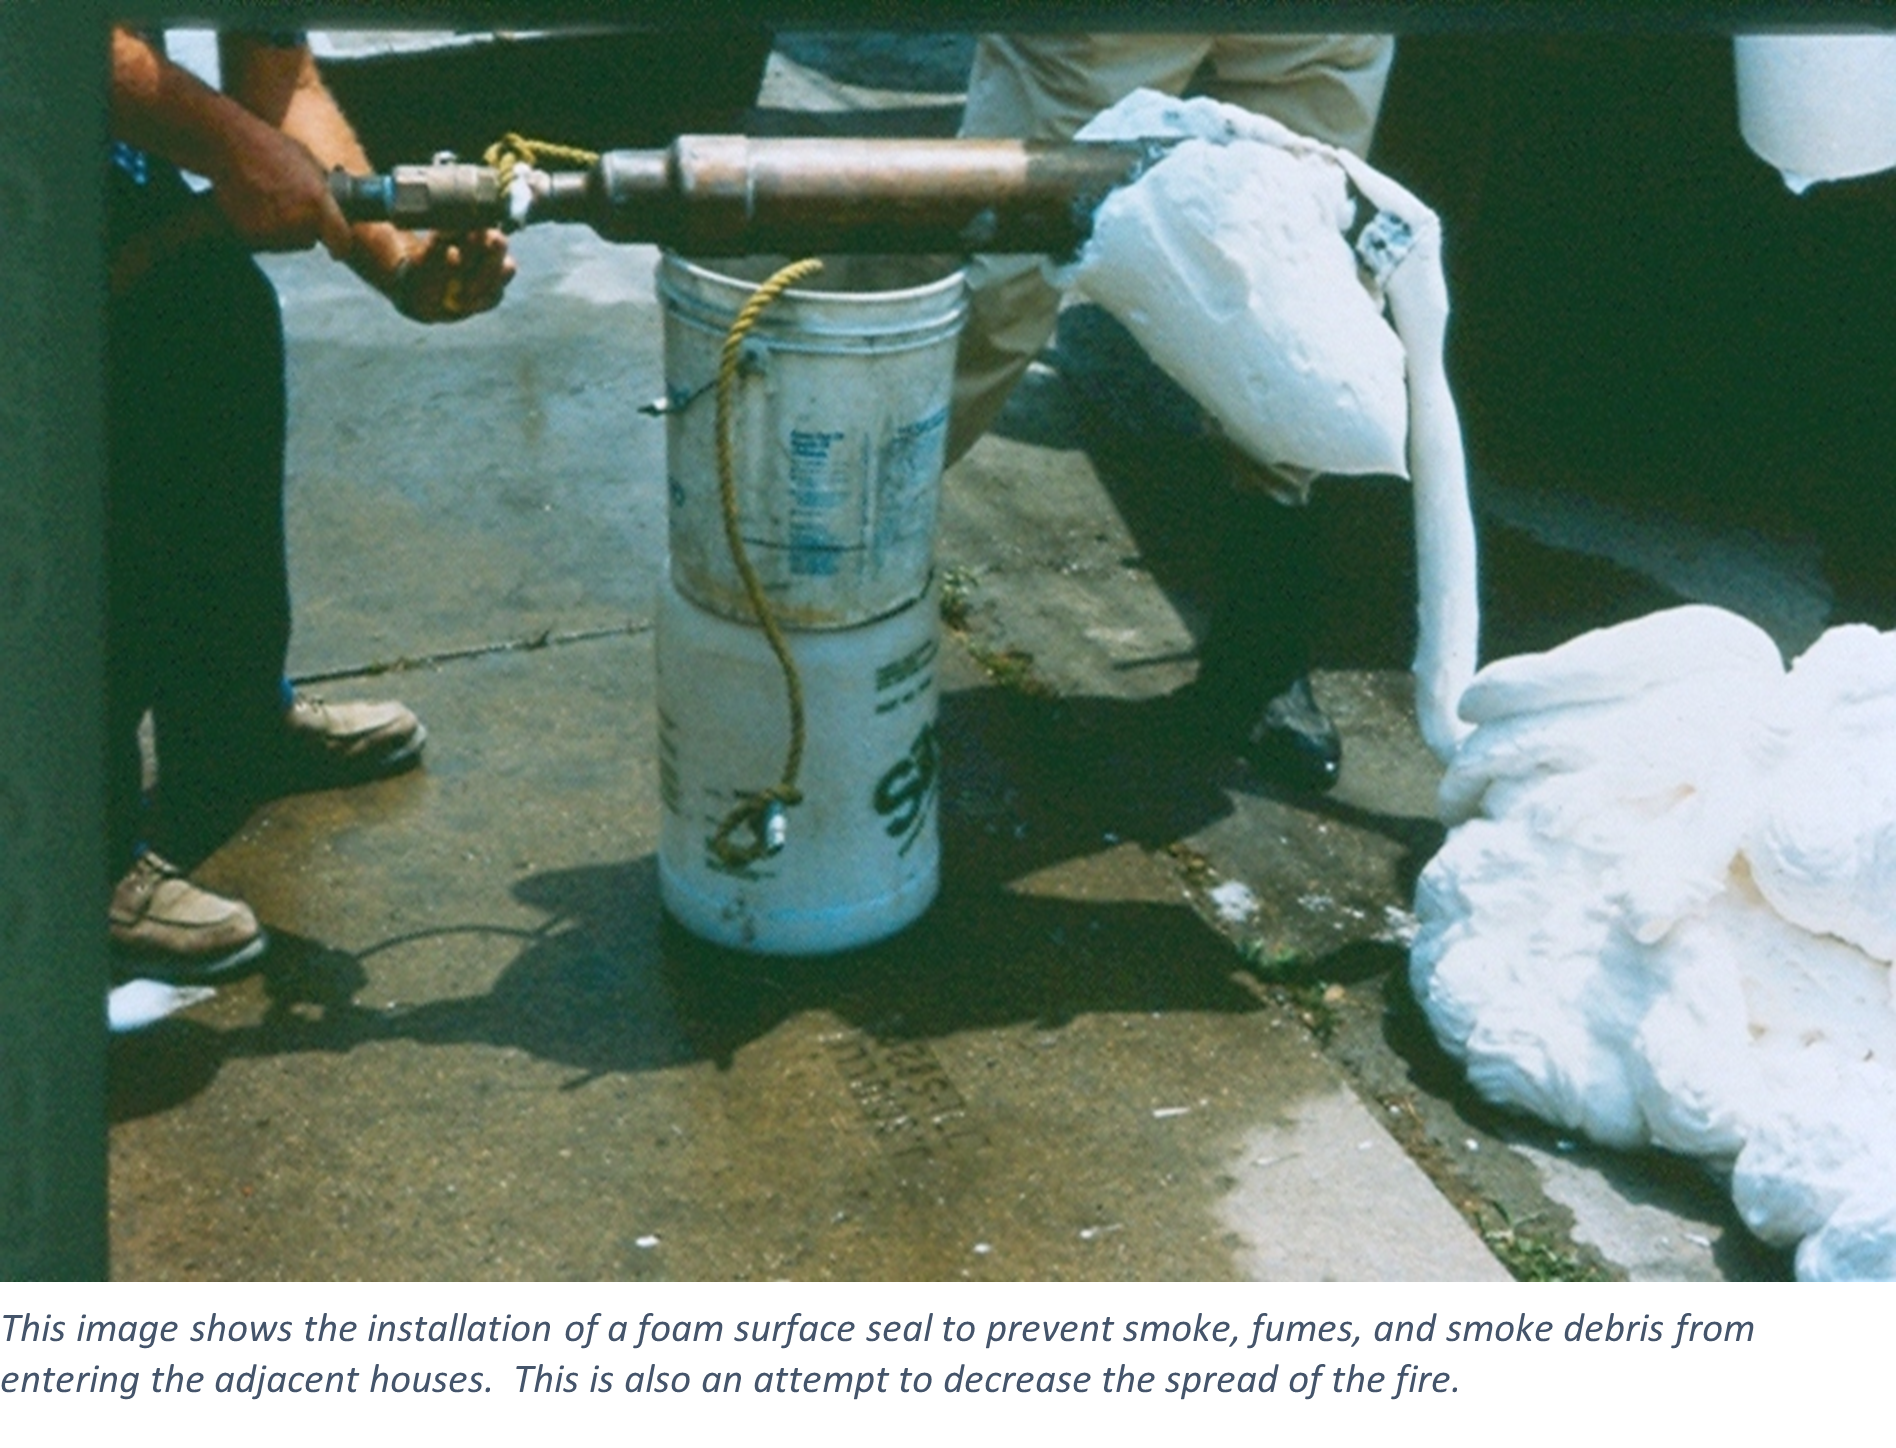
[1252,695]
[1289,742]
[1292,743]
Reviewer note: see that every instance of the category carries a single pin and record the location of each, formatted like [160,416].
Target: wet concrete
[477,1049]
[1156,1026]
[1091,591]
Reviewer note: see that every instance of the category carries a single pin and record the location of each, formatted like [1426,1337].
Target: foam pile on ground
[1666,912]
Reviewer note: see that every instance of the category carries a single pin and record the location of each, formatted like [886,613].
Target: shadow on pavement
[606,984]
[605,988]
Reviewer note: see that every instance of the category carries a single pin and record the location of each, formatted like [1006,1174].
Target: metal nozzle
[445,195]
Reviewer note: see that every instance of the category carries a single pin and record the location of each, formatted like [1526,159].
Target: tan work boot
[329,745]
[163,925]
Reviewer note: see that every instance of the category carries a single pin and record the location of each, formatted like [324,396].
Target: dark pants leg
[1268,575]
[1253,688]
[198,612]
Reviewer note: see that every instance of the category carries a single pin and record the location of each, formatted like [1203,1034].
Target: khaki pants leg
[1327,86]
[1046,87]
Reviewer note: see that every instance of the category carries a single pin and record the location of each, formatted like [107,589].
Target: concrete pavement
[476,1048]
[1156,1027]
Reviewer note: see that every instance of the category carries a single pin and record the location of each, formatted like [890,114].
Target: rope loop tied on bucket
[761,811]
[762,814]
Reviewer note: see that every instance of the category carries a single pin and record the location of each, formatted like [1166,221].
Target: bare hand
[454,276]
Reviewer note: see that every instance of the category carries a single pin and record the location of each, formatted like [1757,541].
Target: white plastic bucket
[862,853]
[839,426]
[1818,107]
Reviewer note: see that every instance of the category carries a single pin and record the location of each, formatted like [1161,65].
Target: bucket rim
[954,280]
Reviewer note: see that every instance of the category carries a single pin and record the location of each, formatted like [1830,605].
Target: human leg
[1253,689]
[1038,88]
[198,528]
[1253,695]
[1327,86]
[205,515]
[159,921]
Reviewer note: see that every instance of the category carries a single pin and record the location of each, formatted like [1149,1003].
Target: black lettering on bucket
[910,664]
[820,487]
[903,795]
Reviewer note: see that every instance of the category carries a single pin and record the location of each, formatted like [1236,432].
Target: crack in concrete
[545,639]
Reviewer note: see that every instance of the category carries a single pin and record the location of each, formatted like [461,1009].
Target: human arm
[269,187]
[429,276]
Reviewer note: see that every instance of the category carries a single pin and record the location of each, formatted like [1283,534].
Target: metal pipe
[728,195]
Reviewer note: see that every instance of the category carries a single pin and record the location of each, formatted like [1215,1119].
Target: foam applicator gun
[729,195]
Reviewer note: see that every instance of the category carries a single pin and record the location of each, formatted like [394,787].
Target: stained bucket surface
[840,420]
[862,853]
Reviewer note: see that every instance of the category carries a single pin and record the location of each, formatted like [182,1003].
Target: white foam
[1234,901]
[1818,107]
[1229,261]
[140,1003]
[1667,913]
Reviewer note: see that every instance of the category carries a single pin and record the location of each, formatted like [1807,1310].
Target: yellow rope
[762,809]
[759,810]
[506,156]
[514,150]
